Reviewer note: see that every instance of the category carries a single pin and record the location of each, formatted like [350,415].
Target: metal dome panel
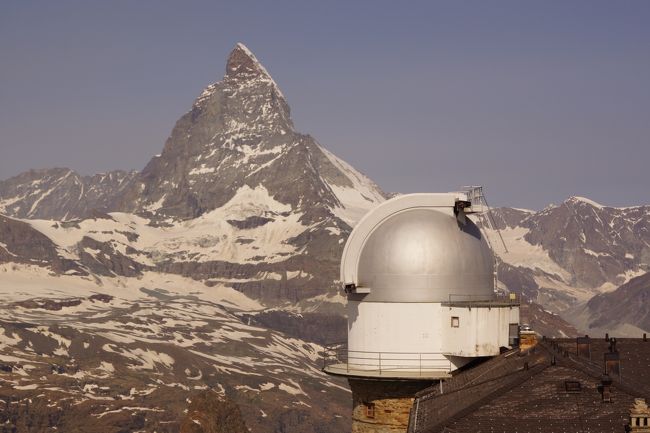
[416,250]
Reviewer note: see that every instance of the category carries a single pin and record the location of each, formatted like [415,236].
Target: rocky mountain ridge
[237,196]
[216,266]
[107,354]
[61,193]
[118,309]
[564,255]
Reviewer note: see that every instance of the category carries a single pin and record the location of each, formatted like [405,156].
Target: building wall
[391,403]
[480,332]
[414,335]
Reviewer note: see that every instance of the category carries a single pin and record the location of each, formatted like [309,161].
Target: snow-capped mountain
[124,293]
[81,353]
[237,196]
[237,136]
[565,254]
[216,266]
[60,193]
[624,311]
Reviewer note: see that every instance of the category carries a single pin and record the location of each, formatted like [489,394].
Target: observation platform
[339,361]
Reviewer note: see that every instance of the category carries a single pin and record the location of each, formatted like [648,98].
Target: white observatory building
[420,282]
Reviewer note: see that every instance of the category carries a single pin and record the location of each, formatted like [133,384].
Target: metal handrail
[384,361]
[480,301]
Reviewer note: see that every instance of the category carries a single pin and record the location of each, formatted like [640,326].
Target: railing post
[347,360]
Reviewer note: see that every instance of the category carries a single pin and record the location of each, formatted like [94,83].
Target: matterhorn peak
[242,63]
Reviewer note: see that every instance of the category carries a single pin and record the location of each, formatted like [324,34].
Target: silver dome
[425,255]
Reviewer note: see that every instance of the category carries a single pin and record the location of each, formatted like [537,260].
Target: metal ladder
[476,197]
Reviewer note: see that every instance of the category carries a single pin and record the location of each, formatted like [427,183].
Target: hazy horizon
[537,102]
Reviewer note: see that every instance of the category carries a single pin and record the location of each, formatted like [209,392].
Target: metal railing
[384,362]
[480,300]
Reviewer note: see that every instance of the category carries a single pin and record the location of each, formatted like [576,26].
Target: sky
[537,101]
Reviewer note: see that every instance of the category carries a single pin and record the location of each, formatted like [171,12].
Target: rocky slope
[566,254]
[624,311]
[124,354]
[125,294]
[60,193]
[239,134]
[237,195]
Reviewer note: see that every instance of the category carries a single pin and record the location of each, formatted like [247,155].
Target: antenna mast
[479,204]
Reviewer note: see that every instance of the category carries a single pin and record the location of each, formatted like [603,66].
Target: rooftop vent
[572,386]
[584,347]
[613,364]
[605,388]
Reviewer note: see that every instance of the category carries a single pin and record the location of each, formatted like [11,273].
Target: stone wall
[383,406]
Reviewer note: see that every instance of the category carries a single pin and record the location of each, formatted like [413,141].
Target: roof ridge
[589,367]
[505,382]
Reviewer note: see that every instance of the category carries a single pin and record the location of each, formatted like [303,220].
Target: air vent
[572,387]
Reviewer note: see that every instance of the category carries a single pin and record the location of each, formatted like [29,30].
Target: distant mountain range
[564,255]
[125,291]
[217,265]
[237,196]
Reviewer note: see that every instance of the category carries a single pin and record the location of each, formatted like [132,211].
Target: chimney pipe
[605,388]
[606,336]
[583,347]
[612,345]
[613,364]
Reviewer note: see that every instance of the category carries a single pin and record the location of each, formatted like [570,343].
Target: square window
[455,321]
[370,410]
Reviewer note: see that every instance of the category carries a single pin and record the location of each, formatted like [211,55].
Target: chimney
[605,388]
[606,336]
[584,347]
[639,416]
[612,345]
[613,364]
[645,338]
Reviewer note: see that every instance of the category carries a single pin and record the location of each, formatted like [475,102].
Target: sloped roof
[526,392]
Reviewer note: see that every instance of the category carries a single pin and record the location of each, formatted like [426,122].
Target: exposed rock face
[626,307]
[60,193]
[576,249]
[263,198]
[239,133]
[319,328]
[21,243]
[594,243]
[564,255]
[209,412]
[544,322]
[128,361]
[237,200]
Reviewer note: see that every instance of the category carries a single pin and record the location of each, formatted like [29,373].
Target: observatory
[420,282]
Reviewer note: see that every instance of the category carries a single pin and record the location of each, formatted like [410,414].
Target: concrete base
[383,406]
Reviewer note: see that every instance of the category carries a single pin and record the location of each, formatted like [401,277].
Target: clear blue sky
[535,100]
